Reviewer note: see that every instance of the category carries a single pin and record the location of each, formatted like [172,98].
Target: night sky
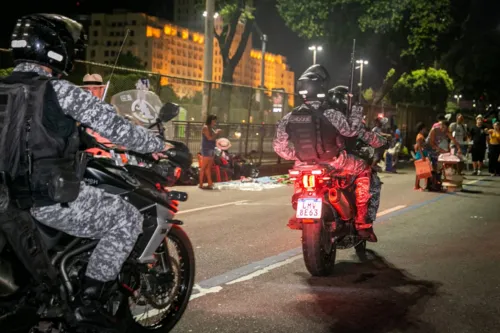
[281,40]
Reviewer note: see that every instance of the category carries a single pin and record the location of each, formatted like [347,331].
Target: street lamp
[315,48]
[216,15]
[458,97]
[361,63]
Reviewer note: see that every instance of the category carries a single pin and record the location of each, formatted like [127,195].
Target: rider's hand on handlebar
[218,131]
[164,154]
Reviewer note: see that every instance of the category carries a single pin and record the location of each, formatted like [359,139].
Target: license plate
[309,208]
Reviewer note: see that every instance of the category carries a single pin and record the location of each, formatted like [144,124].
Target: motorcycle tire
[180,238]
[319,260]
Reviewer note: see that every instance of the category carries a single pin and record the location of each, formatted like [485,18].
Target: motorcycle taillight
[309,181]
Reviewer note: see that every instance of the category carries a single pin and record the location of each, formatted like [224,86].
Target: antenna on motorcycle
[351,79]
[114,66]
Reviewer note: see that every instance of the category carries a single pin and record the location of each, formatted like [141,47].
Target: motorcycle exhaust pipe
[340,203]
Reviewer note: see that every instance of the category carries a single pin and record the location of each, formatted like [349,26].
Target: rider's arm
[89,110]
[347,127]
[280,143]
[372,138]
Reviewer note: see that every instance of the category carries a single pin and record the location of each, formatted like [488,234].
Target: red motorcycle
[325,205]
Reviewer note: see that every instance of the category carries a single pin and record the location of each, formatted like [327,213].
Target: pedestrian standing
[478,134]
[494,152]
[208,138]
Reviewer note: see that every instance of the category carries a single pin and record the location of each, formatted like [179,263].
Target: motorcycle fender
[163,216]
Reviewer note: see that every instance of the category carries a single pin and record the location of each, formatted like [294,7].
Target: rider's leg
[96,214]
[356,167]
[374,202]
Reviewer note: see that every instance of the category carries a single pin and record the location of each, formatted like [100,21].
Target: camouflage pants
[374,203]
[96,214]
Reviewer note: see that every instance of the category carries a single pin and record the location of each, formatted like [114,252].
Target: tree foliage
[5,71]
[408,29]
[130,61]
[473,49]
[233,13]
[430,87]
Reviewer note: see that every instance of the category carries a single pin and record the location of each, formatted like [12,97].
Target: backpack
[21,96]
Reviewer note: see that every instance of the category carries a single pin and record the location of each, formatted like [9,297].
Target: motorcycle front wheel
[157,305]
[318,249]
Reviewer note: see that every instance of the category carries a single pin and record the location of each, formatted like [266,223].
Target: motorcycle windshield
[140,107]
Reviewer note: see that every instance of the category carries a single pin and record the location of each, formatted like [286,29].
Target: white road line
[390,210]
[265,270]
[210,207]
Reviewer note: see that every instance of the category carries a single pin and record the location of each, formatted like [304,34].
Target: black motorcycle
[154,285]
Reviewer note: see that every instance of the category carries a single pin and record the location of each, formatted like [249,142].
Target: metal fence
[243,120]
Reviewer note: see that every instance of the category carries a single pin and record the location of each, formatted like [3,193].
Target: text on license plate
[309,208]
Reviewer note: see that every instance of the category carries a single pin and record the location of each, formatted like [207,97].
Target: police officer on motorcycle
[47,178]
[316,133]
[363,146]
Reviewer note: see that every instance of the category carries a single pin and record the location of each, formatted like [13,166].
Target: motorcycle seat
[50,236]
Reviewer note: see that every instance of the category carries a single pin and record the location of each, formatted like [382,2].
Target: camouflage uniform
[349,164]
[96,214]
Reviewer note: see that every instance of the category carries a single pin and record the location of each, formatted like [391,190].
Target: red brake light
[309,181]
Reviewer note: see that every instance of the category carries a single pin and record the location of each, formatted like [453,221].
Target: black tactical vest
[38,142]
[313,136]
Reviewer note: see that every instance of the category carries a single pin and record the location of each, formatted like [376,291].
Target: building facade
[176,51]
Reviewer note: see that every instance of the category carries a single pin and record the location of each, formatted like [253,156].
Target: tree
[473,49]
[130,61]
[430,87]
[368,94]
[233,13]
[408,30]
[5,71]
[167,94]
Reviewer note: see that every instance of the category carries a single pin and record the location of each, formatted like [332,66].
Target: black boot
[367,234]
[91,312]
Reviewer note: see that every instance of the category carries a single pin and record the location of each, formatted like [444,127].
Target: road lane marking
[248,272]
[265,270]
[390,210]
[210,207]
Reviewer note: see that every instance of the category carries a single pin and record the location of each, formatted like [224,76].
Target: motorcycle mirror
[168,112]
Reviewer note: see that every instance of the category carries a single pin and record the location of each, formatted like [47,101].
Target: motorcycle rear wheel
[318,249]
[185,274]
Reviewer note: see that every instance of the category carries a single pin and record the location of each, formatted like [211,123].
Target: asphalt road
[436,267]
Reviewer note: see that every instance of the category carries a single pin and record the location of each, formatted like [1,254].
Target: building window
[95,33]
[108,43]
[106,53]
[113,53]
[92,53]
[113,24]
[132,32]
[112,33]
[97,22]
[134,22]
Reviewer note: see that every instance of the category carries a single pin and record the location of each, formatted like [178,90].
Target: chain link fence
[248,124]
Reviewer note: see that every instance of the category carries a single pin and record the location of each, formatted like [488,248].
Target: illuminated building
[172,50]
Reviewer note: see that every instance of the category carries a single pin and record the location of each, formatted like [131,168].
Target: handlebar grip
[176,195]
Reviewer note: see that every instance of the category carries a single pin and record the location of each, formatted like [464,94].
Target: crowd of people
[460,140]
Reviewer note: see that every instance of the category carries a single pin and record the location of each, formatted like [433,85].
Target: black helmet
[50,40]
[313,83]
[338,98]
